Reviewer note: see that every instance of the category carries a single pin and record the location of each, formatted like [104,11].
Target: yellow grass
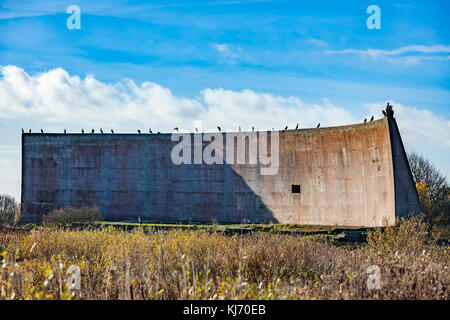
[201,265]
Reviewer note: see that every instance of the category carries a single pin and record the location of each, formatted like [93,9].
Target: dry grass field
[43,264]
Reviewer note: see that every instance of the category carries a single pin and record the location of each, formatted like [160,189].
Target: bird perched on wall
[286,128]
[318,125]
[101,130]
[29,131]
[176,129]
[371,119]
[389,110]
[150,131]
[159,132]
[22,130]
[296,127]
[196,130]
[220,130]
[112,131]
[365,120]
[42,131]
[253,129]
[239,128]
[65,131]
[82,131]
[92,131]
[139,131]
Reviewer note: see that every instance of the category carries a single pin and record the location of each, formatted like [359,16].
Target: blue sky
[192,57]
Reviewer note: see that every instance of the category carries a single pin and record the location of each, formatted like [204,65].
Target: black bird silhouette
[22,130]
[220,130]
[318,125]
[101,130]
[286,128]
[239,128]
[92,131]
[296,127]
[150,131]
[371,119]
[65,131]
[29,131]
[82,131]
[139,131]
[365,120]
[176,129]
[42,131]
[159,132]
[196,130]
[112,131]
[253,129]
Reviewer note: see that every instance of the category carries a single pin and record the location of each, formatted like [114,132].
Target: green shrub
[29,226]
[69,215]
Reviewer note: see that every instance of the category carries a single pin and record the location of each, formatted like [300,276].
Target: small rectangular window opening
[295,188]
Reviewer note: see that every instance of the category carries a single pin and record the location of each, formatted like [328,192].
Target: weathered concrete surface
[346,175]
[129,175]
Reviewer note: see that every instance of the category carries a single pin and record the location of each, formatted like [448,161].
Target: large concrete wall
[345,174]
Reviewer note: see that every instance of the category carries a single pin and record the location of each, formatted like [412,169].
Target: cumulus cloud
[57,97]
[418,126]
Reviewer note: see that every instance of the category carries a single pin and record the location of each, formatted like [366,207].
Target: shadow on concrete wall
[131,176]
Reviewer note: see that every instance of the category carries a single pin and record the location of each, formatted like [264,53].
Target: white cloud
[266,111]
[417,126]
[395,56]
[226,53]
[55,96]
[375,53]
[317,42]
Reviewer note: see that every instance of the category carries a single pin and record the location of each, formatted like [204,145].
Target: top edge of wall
[353,127]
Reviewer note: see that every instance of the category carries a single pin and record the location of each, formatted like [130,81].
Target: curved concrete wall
[345,176]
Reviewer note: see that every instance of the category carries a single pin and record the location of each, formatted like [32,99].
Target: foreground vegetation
[113,264]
